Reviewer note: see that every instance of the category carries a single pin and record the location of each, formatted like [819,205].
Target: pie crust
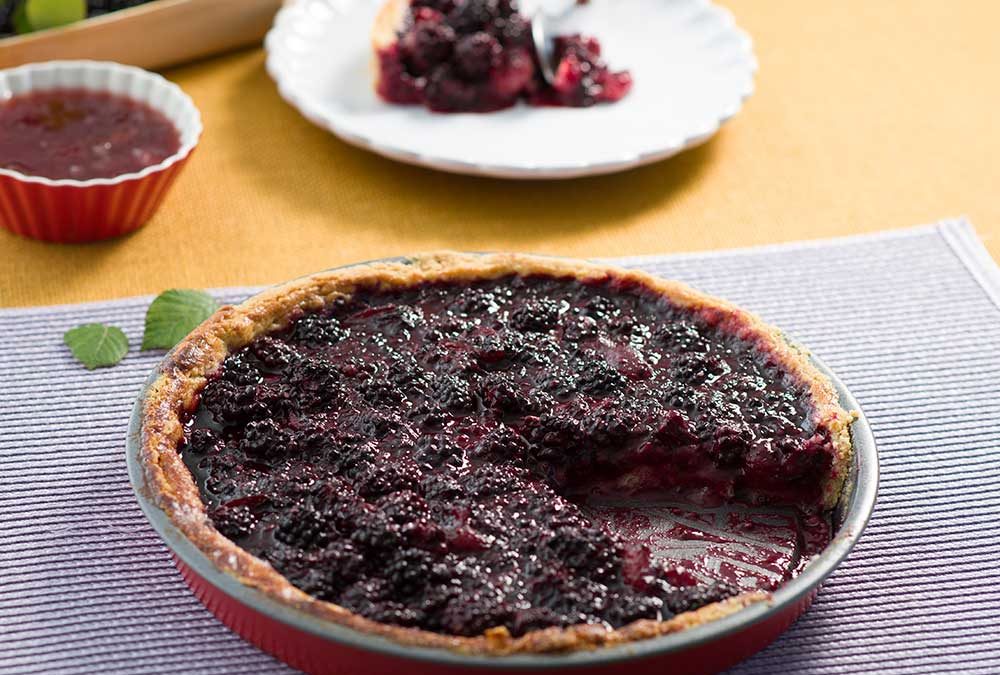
[387,22]
[183,374]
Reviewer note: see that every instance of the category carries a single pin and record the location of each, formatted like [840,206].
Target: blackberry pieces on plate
[478,56]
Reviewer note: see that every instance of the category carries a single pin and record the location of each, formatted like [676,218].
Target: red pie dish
[87,149]
[413,460]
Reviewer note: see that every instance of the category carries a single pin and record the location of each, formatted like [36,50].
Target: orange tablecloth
[868,115]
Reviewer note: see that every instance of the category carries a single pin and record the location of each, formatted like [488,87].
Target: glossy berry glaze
[477,56]
[82,134]
[425,457]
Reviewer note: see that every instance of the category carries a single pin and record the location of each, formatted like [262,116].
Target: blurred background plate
[693,68]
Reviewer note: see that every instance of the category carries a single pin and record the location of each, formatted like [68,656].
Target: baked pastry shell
[249,597]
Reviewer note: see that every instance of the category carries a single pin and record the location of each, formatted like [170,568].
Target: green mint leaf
[96,345]
[174,314]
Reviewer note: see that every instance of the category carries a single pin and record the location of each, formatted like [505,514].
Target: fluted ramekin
[71,211]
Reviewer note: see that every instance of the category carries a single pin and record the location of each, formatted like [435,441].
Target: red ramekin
[73,211]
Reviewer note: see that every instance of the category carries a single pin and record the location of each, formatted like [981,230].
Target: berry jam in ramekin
[111,140]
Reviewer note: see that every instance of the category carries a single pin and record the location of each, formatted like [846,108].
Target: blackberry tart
[409,448]
[478,56]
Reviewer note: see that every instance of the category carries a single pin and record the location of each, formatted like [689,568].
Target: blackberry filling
[427,456]
[477,56]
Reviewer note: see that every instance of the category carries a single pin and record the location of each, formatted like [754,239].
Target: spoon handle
[550,8]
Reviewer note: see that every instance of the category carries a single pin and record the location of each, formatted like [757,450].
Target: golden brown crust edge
[388,22]
[171,487]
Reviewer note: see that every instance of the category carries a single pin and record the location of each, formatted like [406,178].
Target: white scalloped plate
[693,68]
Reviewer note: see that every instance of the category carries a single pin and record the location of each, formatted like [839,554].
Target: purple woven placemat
[909,320]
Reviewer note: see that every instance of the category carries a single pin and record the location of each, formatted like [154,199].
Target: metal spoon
[543,46]
[539,34]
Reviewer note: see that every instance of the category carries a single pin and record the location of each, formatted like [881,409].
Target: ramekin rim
[180,155]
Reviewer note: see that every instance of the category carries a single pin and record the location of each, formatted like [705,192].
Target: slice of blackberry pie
[469,451]
[478,56]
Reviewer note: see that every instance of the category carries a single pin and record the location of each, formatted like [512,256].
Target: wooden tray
[155,35]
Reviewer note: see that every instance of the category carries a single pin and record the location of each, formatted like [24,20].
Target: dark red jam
[82,134]
[478,56]
[430,457]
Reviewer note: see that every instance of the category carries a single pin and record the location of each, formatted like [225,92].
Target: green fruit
[32,15]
